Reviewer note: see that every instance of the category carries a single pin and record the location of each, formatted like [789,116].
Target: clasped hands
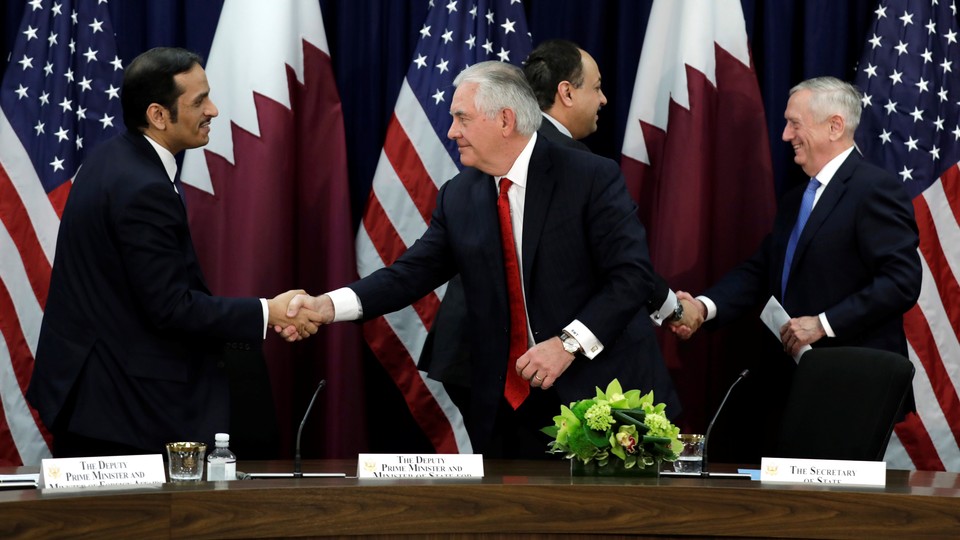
[795,334]
[295,315]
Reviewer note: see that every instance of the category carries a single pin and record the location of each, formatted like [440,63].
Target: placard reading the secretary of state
[420,466]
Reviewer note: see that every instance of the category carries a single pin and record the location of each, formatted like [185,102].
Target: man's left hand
[799,332]
[543,364]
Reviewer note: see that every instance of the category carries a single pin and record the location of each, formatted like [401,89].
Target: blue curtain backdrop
[372,43]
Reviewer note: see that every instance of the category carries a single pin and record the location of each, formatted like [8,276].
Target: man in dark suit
[850,270]
[567,219]
[567,84]
[130,354]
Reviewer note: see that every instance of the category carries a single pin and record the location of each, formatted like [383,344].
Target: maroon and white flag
[268,197]
[695,154]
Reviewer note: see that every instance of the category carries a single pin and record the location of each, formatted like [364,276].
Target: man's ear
[565,93]
[837,126]
[508,121]
[157,116]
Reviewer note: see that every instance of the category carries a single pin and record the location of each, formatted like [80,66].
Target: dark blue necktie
[806,206]
[179,185]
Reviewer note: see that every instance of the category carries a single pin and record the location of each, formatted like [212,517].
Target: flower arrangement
[615,423]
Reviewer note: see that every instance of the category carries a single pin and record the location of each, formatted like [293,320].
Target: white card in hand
[774,317]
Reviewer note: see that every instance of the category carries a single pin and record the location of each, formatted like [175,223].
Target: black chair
[843,404]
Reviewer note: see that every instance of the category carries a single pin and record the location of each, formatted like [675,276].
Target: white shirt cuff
[266,316]
[346,305]
[589,343]
[826,325]
[711,307]
[666,310]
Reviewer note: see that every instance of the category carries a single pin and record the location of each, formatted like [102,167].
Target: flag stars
[21,92]
[85,84]
[447,36]
[938,124]
[907,18]
[956,133]
[116,63]
[452,6]
[922,85]
[52,39]
[48,69]
[875,41]
[425,32]
[438,97]
[35,4]
[112,92]
[420,61]
[30,32]
[870,70]
[891,106]
[487,46]
[442,66]
[931,27]
[866,100]
[57,164]
[79,143]
[44,99]
[917,115]
[66,105]
[73,46]
[927,56]
[471,43]
[91,55]
[489,17]
[69,75]
[935,153]
[73,16]
[96,25]
[951,37]
[901,48]
[62,134]
[504,55]
[26,62]
[473,12]
[946,66]
[943,95]
[81,113]
[906,173]
[911,144]
[57,9]
[885,136]
[896,77]
[107,121]
[38,128]
[508,26]
[881,12]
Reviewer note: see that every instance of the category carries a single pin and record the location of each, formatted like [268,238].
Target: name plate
[420,466]
[823,471]
[101,471]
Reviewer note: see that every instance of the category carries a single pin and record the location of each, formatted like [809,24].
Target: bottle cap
[222,437]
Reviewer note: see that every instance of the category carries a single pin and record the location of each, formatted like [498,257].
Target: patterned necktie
[806,206]
[516,389]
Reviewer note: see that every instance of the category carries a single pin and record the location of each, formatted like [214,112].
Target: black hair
[149,79]
[552,62]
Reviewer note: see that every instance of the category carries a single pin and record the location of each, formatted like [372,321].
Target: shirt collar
[560,127]
[518,172]
[169,162]
[830,169]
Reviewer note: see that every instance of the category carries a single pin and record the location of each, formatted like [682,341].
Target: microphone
[706,438]
[296,458]
[297,461]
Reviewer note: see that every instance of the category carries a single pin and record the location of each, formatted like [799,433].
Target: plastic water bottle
[221,463]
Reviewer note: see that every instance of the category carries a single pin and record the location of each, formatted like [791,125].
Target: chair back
[843,404]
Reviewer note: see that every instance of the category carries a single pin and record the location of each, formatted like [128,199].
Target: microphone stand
[706,437]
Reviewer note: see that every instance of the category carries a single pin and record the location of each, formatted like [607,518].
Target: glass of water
[691,457]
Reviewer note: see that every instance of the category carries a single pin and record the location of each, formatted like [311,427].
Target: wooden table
[515,499]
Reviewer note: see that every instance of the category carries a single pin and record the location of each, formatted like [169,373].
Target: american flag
[417,158]
[60,96]
[910,76]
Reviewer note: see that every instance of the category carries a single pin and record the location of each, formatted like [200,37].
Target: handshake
[296,315]
[694,313]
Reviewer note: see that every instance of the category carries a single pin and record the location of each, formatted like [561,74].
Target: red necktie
[516,389]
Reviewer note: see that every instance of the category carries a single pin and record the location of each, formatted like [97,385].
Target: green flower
[599,417]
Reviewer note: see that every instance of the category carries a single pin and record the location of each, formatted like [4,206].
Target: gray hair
[503,86]
[829,95]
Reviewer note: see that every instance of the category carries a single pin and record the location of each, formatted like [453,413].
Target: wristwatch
[677,312]
[570,343]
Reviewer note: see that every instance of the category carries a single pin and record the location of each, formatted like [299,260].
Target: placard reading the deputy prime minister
[420,466]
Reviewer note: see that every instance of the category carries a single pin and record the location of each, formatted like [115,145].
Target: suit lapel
[826,205]
[539,192]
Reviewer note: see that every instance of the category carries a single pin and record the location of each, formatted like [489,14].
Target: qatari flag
[695,153]
[269,203]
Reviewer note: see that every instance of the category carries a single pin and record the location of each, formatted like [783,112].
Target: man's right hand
[694,312]
[317,309]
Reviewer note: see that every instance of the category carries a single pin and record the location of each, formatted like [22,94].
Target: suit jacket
[856,261]
[584,257]
[445,352]
[131,342]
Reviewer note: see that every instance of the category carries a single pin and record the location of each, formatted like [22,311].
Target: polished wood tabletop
[513,499]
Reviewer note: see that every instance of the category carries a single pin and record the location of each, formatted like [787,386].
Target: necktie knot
[505,184]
